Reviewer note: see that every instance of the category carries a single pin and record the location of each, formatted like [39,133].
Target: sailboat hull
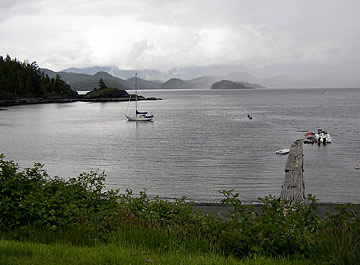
[139,115]
[139,118]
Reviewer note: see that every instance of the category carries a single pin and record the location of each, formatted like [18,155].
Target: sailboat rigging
[139,115]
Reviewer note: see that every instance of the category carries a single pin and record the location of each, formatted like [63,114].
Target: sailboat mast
[135,95]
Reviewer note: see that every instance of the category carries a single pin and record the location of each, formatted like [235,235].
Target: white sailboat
[139,115]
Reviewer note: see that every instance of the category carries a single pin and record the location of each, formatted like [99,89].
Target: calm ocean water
[200,143]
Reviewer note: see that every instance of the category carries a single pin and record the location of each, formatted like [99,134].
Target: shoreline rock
[222,209]
[30,101]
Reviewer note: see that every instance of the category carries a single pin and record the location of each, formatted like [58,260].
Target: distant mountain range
[203,77]
[272,76]
[196,77]
[85,82]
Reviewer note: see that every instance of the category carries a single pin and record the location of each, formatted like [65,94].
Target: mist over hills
[84,82]
[271,76]
[203,77]
[122,74]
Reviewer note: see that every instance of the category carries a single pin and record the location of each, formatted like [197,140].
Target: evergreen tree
[101,84]
[26,80]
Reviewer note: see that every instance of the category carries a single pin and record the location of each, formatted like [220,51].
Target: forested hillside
[25,80]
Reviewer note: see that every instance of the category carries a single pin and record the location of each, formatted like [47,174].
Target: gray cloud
[14,8]
[167,33]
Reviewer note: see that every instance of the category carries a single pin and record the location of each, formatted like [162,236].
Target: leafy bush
[278,228]
[80,209]
[37,207]
[30,198]
[15,191]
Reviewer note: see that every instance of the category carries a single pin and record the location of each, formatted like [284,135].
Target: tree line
[26,80]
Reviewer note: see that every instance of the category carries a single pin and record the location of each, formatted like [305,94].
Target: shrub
[277,228]
[79,210]
[30,198]
[338,239]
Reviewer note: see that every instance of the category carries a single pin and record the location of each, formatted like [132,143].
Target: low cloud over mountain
[274,76]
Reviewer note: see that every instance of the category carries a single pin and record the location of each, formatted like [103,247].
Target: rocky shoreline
[28,101]
[321,211]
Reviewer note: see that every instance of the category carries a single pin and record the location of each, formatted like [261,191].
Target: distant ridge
[86,82]
[201,82]
[143,84]
[271,76]
[122,74]
[88,70]
[175,83]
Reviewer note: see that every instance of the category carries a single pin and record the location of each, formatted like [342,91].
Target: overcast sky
[162,34]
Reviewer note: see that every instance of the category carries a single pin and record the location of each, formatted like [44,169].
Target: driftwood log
[293,188]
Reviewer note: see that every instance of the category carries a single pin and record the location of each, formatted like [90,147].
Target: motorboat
[282,151]
[310,138]
[321,137]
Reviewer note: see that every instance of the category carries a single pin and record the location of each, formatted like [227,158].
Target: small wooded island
[228,84]
[24,83]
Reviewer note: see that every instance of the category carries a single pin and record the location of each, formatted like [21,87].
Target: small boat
[321,137]
[139,115]
[309,138]
[357,167]
[282,151]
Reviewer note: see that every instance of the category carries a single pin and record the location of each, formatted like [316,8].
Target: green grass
[19,253]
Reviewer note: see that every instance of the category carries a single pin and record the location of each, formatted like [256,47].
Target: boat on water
[321,137]
[282,151]
[309,138]
[139,115]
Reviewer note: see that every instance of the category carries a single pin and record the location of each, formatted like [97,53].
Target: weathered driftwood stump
[293,189]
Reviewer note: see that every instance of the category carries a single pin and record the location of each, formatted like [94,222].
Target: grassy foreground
[12,252]
[49,220]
